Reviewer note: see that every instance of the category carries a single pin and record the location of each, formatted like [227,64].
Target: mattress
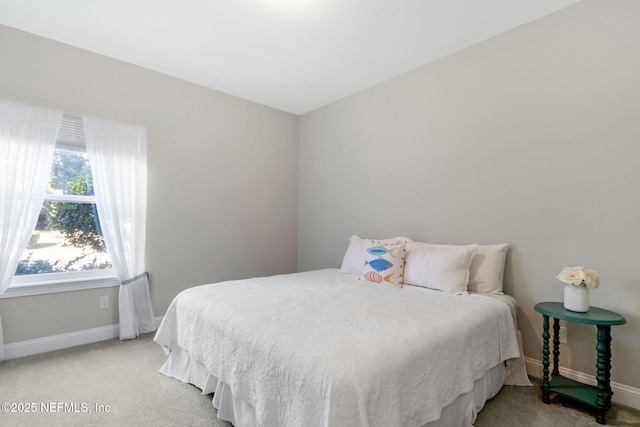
[324,348]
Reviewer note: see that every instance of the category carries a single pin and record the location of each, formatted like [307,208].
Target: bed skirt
[179,365]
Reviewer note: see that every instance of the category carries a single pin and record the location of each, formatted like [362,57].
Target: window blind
[71,134]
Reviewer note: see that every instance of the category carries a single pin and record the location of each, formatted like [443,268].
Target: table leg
[607,363]
[603,368]
[556,346]
[545,359]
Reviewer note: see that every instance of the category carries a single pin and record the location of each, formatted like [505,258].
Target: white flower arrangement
[579,276]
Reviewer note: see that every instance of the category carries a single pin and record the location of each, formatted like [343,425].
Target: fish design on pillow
[381,250]
[378,250]
[380,264]
[372,276]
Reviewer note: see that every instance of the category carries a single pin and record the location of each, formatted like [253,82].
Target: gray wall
[531,138]
[222,199]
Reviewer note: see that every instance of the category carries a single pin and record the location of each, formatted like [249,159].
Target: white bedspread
[323,348]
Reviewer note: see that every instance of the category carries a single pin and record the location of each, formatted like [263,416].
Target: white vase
[576,298]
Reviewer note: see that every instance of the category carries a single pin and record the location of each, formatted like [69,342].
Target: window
[67,244]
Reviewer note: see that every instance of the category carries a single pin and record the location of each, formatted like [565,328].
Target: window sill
[24,288]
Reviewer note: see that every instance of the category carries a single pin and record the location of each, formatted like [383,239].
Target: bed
[326,348]
[417,346]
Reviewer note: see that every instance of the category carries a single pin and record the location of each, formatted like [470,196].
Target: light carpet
[116,383]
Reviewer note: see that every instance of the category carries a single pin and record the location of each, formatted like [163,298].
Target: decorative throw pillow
[486,273]
[442,267]
[354,258]
[384,263]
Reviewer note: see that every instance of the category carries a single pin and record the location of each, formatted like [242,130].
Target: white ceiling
[294,55]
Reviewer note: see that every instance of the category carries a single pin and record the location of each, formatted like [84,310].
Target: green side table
[597,397]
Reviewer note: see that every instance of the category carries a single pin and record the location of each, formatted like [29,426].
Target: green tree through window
[68,236]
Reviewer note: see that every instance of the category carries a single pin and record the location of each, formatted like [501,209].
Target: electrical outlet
[104,301]
[562,336]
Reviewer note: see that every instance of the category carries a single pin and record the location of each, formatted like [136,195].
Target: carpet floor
[116,383]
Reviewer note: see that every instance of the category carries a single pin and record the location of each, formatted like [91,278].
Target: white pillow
[384,263]
[354,261]
[442,267]
[486,273]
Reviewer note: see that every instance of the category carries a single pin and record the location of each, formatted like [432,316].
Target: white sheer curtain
[27,140]
[118,156]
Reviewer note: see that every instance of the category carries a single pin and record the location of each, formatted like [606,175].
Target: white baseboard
[58,342]
[622,394]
